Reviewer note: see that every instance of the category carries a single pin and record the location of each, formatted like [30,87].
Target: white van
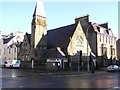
[12,64]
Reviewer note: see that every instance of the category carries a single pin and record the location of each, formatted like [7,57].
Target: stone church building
[67,47]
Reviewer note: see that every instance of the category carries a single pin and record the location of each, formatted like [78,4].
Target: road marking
[21,86]
[14,75]
[58,76]
[66,75]
[42,73]
[46,73]
[50,73]
[71,75]
[116,87]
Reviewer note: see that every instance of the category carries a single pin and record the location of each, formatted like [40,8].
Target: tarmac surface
[37,79]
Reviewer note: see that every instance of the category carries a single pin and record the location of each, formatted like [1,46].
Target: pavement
[82,72]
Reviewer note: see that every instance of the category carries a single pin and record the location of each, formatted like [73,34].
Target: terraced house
[11,46]
[106,44]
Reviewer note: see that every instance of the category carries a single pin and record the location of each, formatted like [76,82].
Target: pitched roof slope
[60,37]
[6,40]
[29,37]
[105,25]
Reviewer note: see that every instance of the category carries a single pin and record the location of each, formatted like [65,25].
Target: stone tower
[38,31]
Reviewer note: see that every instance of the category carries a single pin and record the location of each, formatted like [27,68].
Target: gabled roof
[39,9]
[6,40]
[29,37]
[60,37]
[105,25]
[85,23]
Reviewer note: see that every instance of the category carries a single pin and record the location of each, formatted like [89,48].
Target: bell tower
[38,29]
[38,25]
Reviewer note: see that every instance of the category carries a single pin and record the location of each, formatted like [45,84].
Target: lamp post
[78,61]
[111,54]
[88,66]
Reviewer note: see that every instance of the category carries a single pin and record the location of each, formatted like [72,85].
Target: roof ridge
[62,26]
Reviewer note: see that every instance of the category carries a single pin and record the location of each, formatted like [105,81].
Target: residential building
[1,49]
[24,51]
[118,50]
[106,44]
[10,46]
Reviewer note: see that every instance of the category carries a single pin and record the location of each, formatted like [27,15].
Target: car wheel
[4,66]
[11,66]
[18,67]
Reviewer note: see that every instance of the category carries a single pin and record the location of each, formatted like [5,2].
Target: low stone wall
[51,66]
[25,64]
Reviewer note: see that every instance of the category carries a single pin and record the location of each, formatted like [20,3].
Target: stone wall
[26,64]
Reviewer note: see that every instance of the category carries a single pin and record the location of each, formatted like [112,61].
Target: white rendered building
[11,46]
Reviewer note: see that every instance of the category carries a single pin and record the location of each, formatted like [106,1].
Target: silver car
[111,68]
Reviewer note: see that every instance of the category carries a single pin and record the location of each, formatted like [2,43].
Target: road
[27,78]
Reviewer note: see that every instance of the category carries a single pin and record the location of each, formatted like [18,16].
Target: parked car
[12,64]
[114,68]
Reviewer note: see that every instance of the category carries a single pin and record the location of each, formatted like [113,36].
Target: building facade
[24,51]
[11,46]
[72,43]
[118,50]
[1,49]
[76,43]
[106,44]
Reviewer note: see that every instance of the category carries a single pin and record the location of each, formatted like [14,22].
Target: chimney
[10,35]
[84,18]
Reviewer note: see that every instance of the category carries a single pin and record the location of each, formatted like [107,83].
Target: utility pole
[78,62]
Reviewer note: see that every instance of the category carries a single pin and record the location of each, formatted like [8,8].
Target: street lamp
[88,66]
[111,53]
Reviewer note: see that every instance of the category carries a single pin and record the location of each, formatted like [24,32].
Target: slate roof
[60,37]
[6,40]
[105,25]
[29,37]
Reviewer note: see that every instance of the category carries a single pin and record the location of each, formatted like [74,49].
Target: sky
[17,16]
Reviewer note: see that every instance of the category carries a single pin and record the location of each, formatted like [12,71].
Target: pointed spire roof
[39,9]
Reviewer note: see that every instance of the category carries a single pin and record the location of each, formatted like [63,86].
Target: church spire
[39,26]
[39,9]
[38,33]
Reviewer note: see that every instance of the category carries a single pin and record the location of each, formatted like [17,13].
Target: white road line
[116,87]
